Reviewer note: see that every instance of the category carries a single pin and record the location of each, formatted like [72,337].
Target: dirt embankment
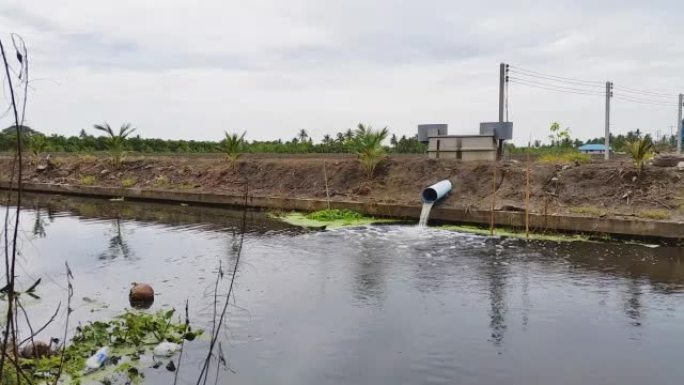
[597,189]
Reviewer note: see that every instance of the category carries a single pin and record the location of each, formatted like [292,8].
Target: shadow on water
[173,215]
[662,267]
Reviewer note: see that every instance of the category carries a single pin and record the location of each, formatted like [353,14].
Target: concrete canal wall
[631,227]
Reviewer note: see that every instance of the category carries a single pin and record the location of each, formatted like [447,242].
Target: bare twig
[35,333]
[214,338]
[180,355]
[11,255]
[70,294]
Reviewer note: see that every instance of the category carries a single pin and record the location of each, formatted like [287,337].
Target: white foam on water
[425,214]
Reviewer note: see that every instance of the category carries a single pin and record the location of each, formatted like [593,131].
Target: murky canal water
[372,305]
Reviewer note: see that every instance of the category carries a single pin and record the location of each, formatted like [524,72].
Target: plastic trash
[98,359]
[166,349]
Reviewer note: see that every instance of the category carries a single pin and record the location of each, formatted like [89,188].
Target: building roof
[592,147]
[460,136]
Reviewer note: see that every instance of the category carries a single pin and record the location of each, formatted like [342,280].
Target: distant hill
[26,130]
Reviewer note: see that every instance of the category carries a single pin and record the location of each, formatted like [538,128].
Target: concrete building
[488,145]
[463,147]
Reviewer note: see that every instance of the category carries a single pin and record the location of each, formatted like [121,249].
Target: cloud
[272,67]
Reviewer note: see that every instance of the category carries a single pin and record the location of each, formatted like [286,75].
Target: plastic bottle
[98,359]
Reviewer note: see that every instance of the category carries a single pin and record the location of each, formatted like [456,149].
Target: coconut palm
[234,146]
[640,150]
[303,136]
[367,144]
[116,141]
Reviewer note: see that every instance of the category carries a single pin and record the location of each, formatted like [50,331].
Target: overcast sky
[195,69]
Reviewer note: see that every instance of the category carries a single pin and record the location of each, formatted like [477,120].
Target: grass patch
[588,210]
[161,181]
[330,219]
[185,186]
[654,214]
[128,182]
[512,233]
[87,158]
[565,157]
[87,180]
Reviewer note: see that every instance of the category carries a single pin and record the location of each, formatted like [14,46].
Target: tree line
[342,142]
[561,139]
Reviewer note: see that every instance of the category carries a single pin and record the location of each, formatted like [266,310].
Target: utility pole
[679,123]
[502,83]
[609,94]
[503,79]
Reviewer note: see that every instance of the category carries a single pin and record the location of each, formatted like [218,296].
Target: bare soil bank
[599,189]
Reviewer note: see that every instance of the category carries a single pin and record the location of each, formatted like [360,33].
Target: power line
[553,87]
[643,101]
[559,78]
[647,93]
[556,82]
[587,83]
[623,93]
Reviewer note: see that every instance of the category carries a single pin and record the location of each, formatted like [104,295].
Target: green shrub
[640,150]
[116,141]
[367,144]
[234,146]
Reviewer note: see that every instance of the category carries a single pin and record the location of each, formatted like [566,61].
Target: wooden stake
[327,193]
[491,219]
[527,193]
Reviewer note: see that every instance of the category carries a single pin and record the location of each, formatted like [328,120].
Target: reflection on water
[496,273]
[117,245]
[381,305]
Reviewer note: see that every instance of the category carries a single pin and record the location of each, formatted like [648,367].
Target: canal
[386,304]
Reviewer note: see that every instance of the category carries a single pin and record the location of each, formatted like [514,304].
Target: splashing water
[425,214]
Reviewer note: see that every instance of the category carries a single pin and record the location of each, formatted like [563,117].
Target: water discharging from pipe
[430,196]
[425,214]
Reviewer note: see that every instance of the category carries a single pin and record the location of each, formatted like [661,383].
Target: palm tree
[116,141]
[303,136]
[640,150]
[234,145]
[367,145]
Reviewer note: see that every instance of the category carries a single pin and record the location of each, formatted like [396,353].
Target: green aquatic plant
[334,215]
[129,336]
[328,219]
